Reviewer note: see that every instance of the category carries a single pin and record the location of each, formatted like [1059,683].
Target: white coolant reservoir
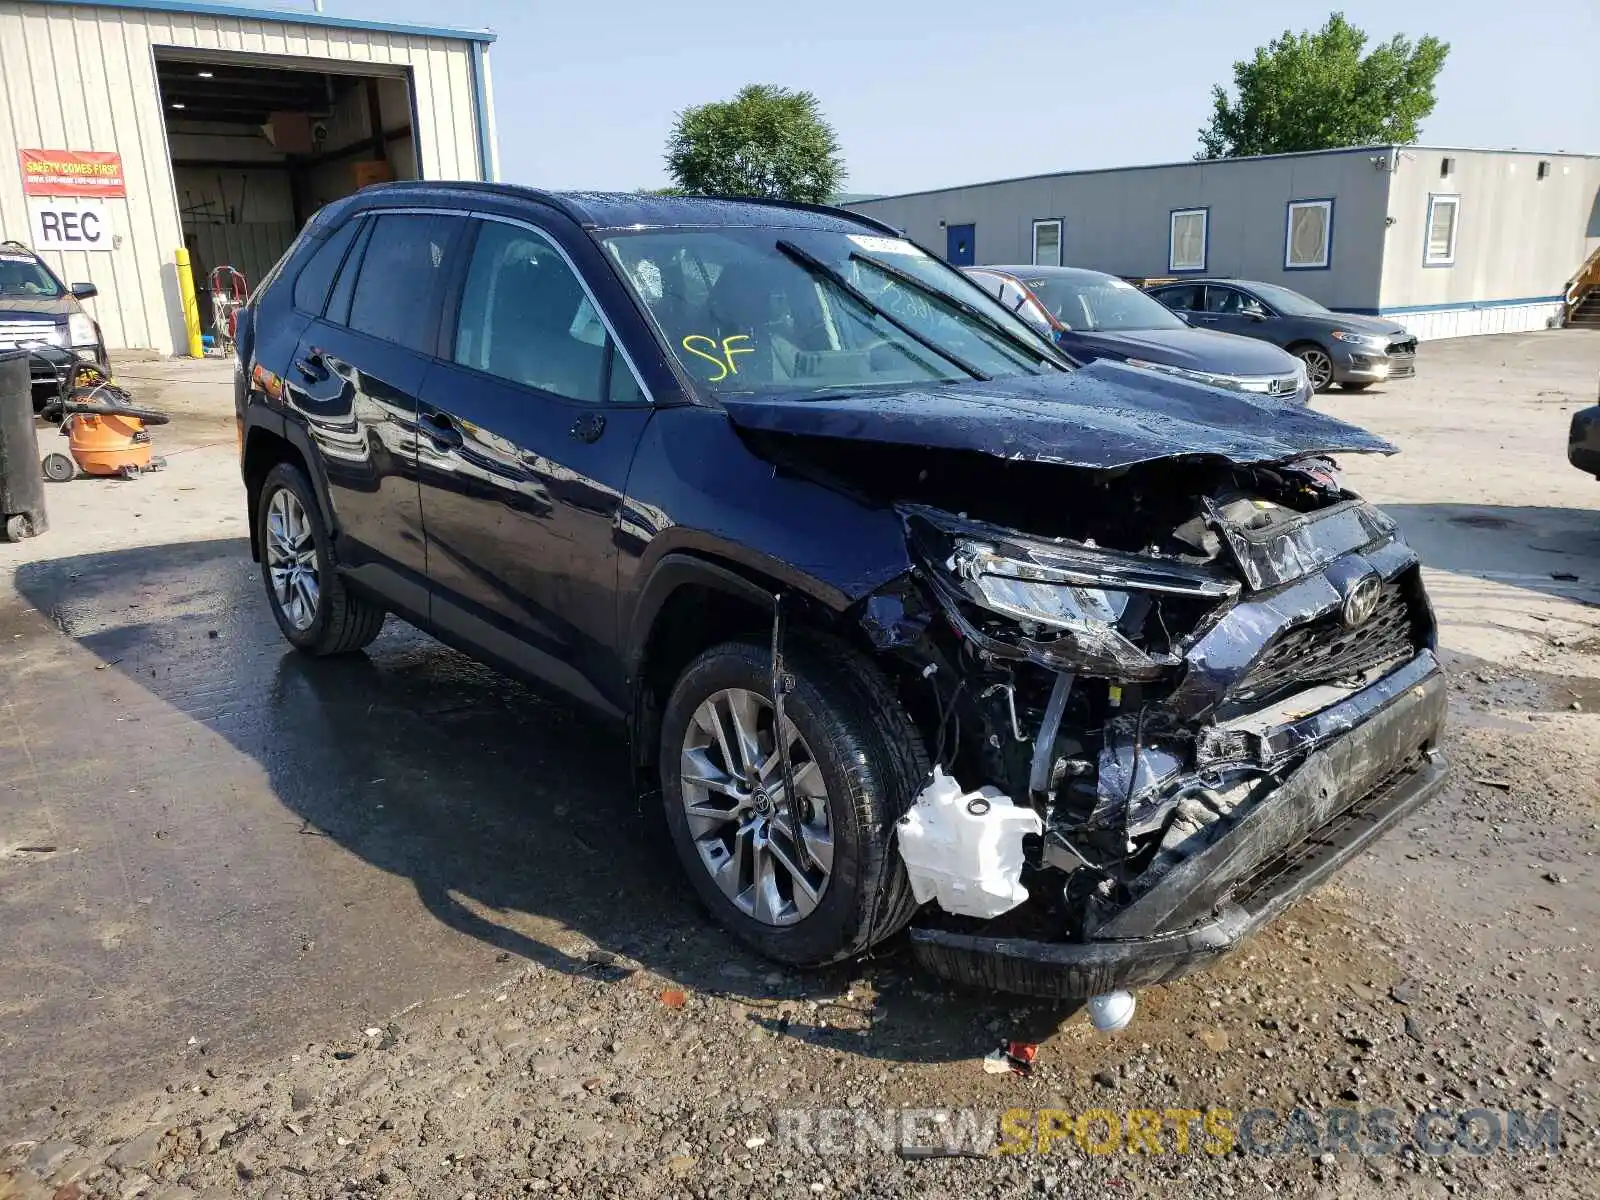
[964,849]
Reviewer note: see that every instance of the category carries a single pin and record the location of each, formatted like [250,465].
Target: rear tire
[859,749]
[314,609]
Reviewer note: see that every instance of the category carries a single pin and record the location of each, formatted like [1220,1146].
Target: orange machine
[106,434]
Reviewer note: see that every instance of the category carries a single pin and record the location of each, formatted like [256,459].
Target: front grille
[1284,385]
[12,332]
[1324,651]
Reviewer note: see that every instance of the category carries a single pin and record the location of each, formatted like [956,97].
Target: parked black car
[1352,351]
[37,308]
[1094,315]
[1583,443]
[826,528]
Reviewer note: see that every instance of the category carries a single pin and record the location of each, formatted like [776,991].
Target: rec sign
[70,225]
[72,173]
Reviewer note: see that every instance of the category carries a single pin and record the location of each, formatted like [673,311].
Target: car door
[1232,311]
[354,382]
[1185,298]
[529,426]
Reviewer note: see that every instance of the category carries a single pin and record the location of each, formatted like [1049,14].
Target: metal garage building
[1448,241]
[132,128]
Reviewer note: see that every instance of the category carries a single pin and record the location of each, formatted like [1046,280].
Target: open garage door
[259,143]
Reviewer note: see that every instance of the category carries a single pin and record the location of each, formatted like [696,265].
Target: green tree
[767,141]
[1316,91]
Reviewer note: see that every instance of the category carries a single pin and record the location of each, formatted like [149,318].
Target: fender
[258,415]
[673,571]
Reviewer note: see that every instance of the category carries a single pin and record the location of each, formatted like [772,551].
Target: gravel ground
[605,1051]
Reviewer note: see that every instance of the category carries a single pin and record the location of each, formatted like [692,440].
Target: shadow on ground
[1551,550]
[511,815]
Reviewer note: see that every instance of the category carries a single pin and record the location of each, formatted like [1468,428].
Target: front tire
[1319,366]
[314,609]
[857,763]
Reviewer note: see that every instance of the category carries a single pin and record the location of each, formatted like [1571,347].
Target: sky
[928,93]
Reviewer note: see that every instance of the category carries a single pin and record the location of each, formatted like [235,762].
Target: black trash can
[21,481]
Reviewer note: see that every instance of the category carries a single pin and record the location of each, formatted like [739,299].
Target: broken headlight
[1031,592]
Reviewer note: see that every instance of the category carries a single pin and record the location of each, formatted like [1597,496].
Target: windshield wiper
[817,267]
[1037,351]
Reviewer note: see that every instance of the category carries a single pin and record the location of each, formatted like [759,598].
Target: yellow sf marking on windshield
[720,356]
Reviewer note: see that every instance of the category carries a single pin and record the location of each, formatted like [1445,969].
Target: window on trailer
[1441,247]
[1186,249]
[1047,243]
[1308,237]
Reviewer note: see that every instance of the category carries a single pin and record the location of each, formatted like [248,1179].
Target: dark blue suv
[1081,673]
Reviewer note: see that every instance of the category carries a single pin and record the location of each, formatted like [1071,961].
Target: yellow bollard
[191,305]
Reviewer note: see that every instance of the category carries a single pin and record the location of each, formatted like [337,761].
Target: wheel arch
[266,444]
[691,601]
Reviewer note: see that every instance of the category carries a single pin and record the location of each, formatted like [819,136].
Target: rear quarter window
[316,277]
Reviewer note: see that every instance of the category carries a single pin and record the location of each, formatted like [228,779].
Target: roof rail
[831,210]
[558,200]
[553,199]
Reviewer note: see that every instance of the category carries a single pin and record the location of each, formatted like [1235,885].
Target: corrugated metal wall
[1119,220]
[1518,237]
[80,77]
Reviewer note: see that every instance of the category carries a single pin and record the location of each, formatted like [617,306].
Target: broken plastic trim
[1072,564]
[1288,550]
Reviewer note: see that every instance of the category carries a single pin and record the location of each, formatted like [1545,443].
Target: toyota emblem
[1361,601]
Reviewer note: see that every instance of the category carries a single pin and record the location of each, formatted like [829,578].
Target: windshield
[1100,303]
[1291,304]
[747,309]
[24,276]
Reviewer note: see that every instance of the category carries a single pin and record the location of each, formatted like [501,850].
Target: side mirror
[85,291]
[1182,316]
[1258,316]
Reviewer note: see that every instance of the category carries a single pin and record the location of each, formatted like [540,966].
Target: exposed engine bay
[1140,664]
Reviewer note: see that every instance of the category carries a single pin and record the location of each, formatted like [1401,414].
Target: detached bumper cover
[1375,761]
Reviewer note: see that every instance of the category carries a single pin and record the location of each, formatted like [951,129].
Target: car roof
[1231,282]
[1026,272]
[622,210]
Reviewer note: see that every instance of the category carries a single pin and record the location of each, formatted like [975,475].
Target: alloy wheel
[771,854]
[1319,367]
[292,560]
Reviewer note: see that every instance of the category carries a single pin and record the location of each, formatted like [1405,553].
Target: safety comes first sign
[72,173]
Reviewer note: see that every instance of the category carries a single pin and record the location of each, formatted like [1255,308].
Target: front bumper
[1375,760]
[1372,366]
[1583,444]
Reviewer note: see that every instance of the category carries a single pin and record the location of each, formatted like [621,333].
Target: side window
[525,317]
[1223,300]
[399,273]
[338,311]
[622,387]
[1184,299]
[311,285]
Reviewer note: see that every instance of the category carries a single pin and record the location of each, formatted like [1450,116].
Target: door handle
[312,368]
[588,427]
[442,431]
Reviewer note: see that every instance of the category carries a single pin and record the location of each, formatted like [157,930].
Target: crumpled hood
[1102,416]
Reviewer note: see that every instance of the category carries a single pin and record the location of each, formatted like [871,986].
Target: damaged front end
[1151,742]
